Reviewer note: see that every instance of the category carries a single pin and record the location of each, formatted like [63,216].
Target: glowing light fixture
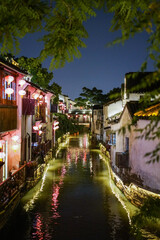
[15,147]
[9,91]
[1,143]
[2,155]
[55,128]
[36,95]
[22,82]
[9,79]
[40,132]
[40,96]
[15,138]
[35,128]
[22,93]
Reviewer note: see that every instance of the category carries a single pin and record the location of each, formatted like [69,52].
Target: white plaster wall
[132,97]
[105,122]
[114,108]
[138,148]
[124,121]
[61,97]
[115,148]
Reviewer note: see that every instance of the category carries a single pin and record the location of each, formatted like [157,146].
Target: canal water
[75,200]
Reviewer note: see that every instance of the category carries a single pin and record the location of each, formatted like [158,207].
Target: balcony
[8,118]
[122,159]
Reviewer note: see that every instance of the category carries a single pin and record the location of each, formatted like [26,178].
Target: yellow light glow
[15,138]
[151,111]
[15,147]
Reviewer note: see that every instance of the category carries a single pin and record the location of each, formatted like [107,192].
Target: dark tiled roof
[13,67]
[133,107]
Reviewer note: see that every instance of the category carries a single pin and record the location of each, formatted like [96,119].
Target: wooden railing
[12,185]
[42,148]
[15,183]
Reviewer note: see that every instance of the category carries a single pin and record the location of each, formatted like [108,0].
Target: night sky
[100,66]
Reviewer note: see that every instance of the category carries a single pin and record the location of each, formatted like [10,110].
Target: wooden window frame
[7,101]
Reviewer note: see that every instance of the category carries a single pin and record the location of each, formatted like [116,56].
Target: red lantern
[22,82]
[9,79]
[22,93]
[9,91]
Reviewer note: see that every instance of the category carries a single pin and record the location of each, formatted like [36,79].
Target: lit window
[112,139]
[4,84]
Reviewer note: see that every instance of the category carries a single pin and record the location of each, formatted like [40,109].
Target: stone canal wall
[134,193]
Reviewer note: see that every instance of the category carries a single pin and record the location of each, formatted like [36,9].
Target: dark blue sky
[99,66]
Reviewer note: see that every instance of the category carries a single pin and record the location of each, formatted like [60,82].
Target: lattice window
[5,98]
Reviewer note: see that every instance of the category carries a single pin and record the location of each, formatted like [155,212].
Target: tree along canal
[75,200]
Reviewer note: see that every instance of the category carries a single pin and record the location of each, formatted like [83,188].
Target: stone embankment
[134,193]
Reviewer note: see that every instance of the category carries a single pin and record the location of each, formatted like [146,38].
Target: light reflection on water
[75,200]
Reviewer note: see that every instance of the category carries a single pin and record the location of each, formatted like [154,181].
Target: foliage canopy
[62,22]
[40,75]
[94,96]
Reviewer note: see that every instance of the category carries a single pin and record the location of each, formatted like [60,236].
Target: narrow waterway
[73,201]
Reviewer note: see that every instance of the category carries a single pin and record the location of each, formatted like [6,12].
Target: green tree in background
[94,96]
[63,24]
[40,75]
[66,125]
[56,89]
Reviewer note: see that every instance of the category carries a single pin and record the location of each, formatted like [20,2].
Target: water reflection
[55,195]
[76,199]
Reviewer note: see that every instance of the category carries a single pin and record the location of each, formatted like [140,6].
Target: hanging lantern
[15,138]
[40,126]
[36,95]
[9,79]
[40,96]
[40,132]
[9,91]
[1,143]
[22,93]
[55,128]
[2,155]
[15,147]
[22,82]
[35,128]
